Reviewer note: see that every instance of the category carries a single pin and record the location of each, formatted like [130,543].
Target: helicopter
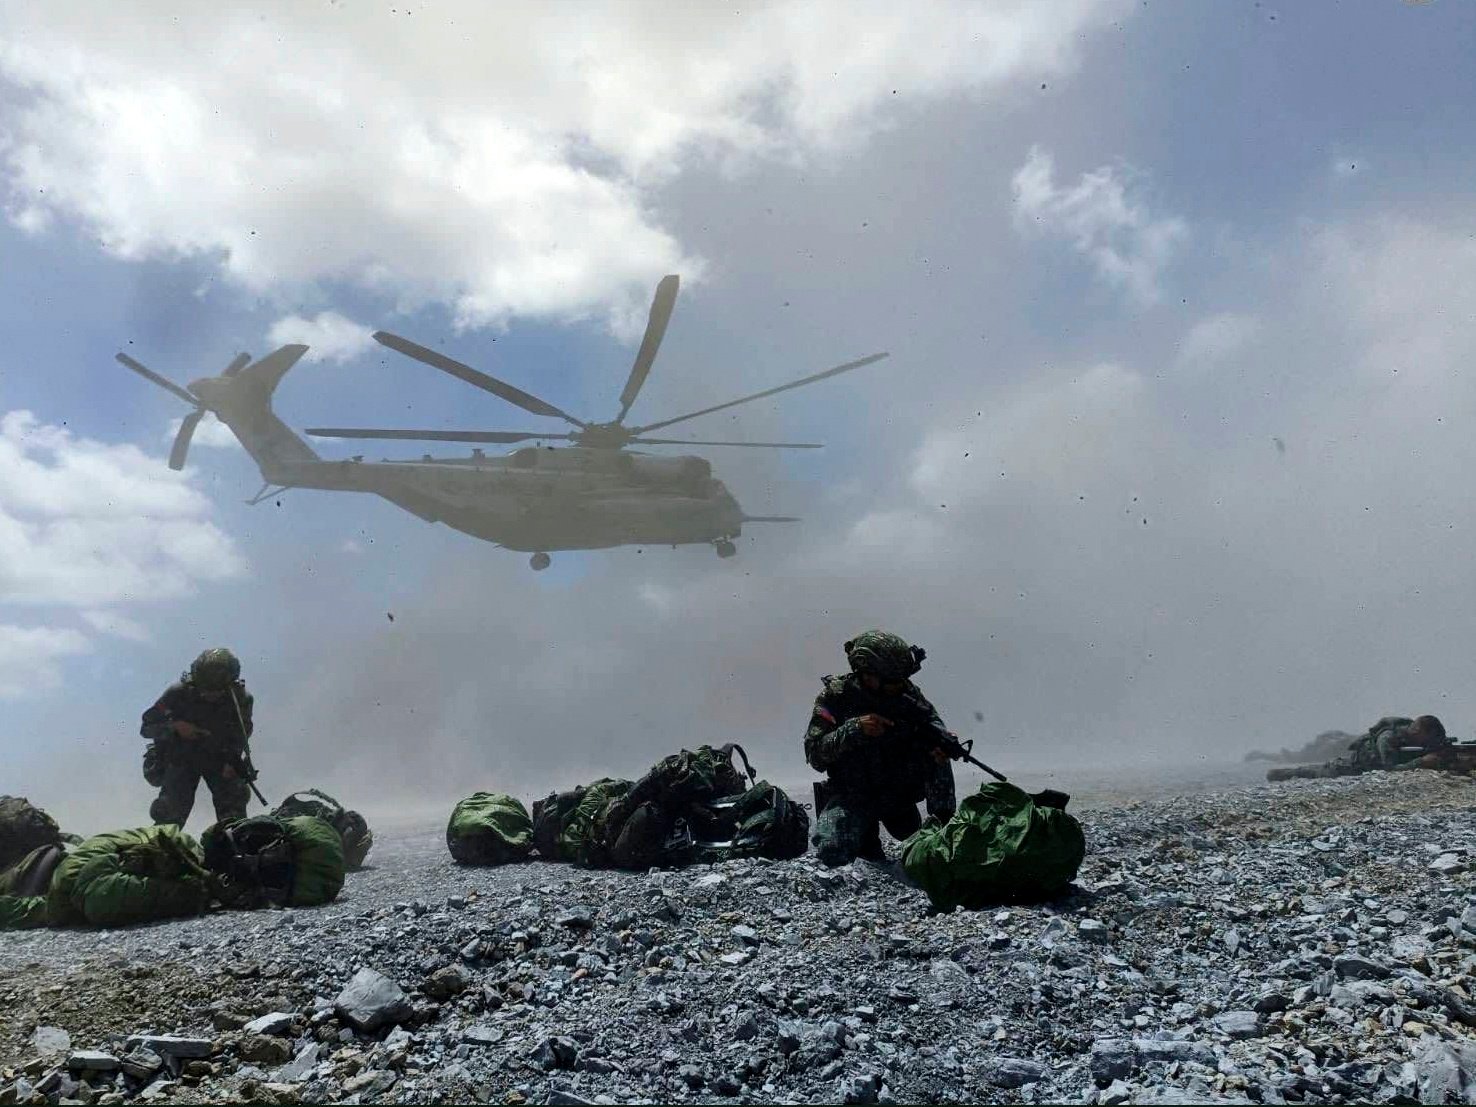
[593,494]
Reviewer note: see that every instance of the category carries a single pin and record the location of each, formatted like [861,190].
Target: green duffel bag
[130,876]
[489,828]
[265,860]
[1000,847]
[352,827]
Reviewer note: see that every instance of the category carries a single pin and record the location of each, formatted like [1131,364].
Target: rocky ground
[1308,942]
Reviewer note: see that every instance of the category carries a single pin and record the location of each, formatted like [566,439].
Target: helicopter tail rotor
[182,438]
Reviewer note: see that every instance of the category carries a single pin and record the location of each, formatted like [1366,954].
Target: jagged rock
[1112,1059]
[372,1000]
[1239,1024]
[51,1041]
[172,1045]
[141,1064]
[1359,968]
[445,983]
[263,1049]
[276,1023]
[91,1060]
[301,1065]
[554,1053]
[1015,1072]
[578,917]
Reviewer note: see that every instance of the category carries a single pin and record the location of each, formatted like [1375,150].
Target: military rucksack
[264,860]
[762,822]
[670,809]
[489,828]
[129,876]
[563,822]
[24,827]
[351,826]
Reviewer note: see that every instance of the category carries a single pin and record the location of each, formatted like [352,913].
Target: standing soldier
[199,728]
[874,735]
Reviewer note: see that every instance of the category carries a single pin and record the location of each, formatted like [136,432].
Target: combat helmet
[215,669]
[884,654]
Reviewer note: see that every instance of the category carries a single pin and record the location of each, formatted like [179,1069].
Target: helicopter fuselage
[545,499]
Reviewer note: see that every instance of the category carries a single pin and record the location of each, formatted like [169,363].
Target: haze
[1171,459]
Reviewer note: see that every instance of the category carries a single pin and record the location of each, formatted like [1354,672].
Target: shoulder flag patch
[822,713]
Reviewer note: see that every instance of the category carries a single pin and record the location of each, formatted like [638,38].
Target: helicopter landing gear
[540,562]
[724,548]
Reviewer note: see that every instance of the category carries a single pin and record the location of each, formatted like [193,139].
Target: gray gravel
[1305,942]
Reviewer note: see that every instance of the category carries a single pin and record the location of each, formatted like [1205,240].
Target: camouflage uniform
[1384,746]
[182,763]
[874,780]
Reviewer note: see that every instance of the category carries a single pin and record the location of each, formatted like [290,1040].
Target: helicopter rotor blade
[525,400]
[702,442]
[163,382]
[661,307]
[432,435]
[239,362]
[181,445]
[812,378]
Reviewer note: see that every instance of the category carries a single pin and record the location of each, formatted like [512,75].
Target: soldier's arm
[827,736]
[158,720]
[929,718]
[246,701]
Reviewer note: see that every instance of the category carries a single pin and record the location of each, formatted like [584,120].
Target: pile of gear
[884,751]
[160,872]
[694,806]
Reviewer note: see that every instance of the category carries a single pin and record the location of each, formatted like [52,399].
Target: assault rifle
[244,768]
[1457,757]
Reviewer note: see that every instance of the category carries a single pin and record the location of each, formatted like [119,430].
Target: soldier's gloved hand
[228,772]
[189,731]
[940,755]
[873,726]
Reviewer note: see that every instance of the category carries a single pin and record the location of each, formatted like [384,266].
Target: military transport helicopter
[594,494]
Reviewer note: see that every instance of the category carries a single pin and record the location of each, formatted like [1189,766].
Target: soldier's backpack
[264,860]
[23,888]
[999,847]
[489,828]
[564,822]
[129,876]
[762,822]
[351,826]
[671,808]
[24,827]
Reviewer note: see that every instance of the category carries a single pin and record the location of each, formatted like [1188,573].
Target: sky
[1170,460]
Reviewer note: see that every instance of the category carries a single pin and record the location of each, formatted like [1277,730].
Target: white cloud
[498,158]
[115,625]
[328,336]
[209,432]
[29,656]
[1216,338]
[85,524]
[1128,247]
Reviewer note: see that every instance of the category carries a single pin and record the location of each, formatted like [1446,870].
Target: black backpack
[253,861]
[762,822]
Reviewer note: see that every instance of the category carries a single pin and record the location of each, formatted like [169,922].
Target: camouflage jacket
[182,701]
[897,761]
